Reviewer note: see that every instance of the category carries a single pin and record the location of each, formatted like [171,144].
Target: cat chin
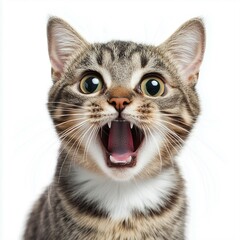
[120,175]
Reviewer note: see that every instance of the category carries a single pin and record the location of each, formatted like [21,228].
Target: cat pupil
[91,84]
[153,87]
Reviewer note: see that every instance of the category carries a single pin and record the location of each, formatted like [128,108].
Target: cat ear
[63,41]
[185,49]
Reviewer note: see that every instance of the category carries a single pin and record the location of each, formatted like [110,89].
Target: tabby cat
[122,111]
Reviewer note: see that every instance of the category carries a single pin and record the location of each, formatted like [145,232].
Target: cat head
[123,109]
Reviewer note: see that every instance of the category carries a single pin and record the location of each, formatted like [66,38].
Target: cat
[122,111]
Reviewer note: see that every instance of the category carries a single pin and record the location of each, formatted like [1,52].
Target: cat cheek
[187,117]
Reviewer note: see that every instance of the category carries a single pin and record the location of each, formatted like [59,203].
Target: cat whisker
[88,142]
[92,130]
[171,140]
[75,154]
[78,140]
[72,120]
[159,123]
[81,116]
[176,125]
[165,141]
[71,110]
[49,193]
[173,117]
[67,132]
[79,144]
[156,143]
[64,103]
[165,134]
[77,130]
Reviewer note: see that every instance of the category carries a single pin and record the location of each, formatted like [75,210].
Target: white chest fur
[119,199]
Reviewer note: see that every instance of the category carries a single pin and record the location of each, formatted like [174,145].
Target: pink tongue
[120,141]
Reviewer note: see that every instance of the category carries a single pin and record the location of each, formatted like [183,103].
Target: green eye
[91,84]
[153,87]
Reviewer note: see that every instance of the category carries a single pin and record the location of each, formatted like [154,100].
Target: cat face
[123,109]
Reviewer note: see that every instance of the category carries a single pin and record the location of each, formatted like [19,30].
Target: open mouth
[121,140]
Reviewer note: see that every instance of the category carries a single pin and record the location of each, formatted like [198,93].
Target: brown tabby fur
[60,213]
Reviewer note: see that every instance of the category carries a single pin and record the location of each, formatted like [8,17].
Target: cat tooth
[109,124]
[131,125]
[114,160]
[129,159]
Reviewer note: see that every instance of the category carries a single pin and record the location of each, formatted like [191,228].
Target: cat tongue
[120,142]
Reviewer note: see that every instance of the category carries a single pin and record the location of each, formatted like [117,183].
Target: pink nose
[119,103]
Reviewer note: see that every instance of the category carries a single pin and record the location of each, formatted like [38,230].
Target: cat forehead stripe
[119,50]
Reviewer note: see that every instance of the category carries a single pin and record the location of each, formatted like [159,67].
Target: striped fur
[87,199]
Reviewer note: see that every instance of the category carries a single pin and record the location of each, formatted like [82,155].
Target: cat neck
[119,200]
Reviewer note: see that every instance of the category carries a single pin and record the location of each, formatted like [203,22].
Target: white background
[211,159]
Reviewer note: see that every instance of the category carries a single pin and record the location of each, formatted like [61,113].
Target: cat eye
[153,87]
[91,84]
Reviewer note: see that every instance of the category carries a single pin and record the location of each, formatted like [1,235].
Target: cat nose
[119,103]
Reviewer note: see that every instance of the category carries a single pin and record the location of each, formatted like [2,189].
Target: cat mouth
[121,140]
